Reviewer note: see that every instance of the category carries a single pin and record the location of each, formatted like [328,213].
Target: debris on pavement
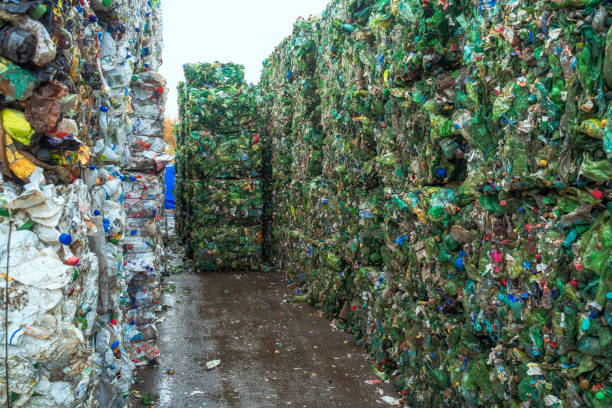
[213,364]
[244,337]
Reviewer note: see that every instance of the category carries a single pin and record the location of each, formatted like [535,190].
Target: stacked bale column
[144,187]
[459,224]
[73,338]
[290,115]
[219,169]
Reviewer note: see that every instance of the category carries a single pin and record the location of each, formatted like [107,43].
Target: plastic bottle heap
[441,188]
[81,148]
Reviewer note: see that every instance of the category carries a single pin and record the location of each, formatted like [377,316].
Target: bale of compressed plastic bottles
[81,147]
[219,163]
[441,187]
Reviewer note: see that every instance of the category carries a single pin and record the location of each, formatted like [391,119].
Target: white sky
[241,31]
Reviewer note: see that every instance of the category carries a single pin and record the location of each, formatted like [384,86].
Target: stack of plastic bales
[219,168]
[144,203]
[442,188]
[291,119]
[65,101]
[131,122]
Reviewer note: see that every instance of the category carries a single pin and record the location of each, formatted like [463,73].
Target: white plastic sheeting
[52,299]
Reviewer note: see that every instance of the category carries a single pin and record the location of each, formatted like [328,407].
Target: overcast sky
[240,31]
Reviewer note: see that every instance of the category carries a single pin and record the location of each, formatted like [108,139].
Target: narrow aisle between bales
[273,354]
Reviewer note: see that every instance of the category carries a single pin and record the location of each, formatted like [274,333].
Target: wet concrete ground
[273,354]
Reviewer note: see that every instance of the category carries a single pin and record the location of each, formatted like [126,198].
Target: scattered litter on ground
[213,364]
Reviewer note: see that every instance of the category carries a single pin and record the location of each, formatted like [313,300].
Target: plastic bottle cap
[115,344]
[72,261]
[39,11]
[586,324]
[114,322]
[65,239]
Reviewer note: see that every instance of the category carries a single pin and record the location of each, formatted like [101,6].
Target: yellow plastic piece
[19,165]
[83,155]
[395,7]
[17,126]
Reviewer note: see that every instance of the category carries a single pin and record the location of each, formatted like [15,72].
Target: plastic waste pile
[144,190]
[133,118]
[288,91]
[219,169]
[441,188]
[73,81]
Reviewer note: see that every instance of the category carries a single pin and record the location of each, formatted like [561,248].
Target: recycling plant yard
[411,207]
